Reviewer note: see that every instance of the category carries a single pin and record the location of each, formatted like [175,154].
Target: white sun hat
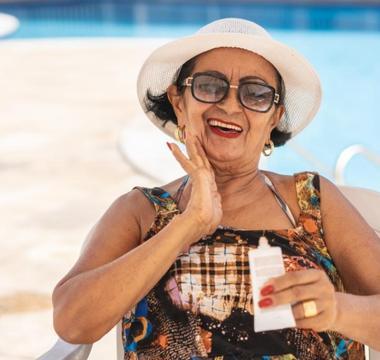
[302,84]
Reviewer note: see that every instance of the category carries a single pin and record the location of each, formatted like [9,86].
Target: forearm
[88,305]
[359,318]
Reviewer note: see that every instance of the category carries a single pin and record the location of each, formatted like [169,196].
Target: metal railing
[346,156]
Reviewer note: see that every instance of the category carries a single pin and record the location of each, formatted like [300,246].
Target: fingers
[299,311]
[296,293]
[294,278]
[195,152]
[324,319]
[298,287]
[191,147]
[186,164]
[202,153]
[193,162]
[311,323]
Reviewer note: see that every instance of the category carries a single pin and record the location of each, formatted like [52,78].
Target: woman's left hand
[297,287]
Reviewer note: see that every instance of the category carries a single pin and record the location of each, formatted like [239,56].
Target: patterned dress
[202,307]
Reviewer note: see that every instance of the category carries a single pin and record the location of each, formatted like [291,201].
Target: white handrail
[311,158]
[346,156]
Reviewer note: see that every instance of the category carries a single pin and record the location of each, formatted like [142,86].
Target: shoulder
[141,201]
[281,181]
[286,186]
[292,184]
[351,240]
[331,197]
[129,206]
[338,214]
[301,190]
[139,197]
[172,186]
[316,190]
[289,181]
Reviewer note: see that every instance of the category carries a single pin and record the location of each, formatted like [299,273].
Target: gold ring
[309,308]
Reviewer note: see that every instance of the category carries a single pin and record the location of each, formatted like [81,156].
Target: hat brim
[303,89]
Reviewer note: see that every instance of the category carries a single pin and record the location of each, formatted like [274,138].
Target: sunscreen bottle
[266,262]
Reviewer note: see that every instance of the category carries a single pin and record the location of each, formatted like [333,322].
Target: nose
[231,102]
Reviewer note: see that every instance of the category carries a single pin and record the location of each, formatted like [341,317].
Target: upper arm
[352,243]
[115,233]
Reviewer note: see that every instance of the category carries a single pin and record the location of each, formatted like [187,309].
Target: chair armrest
[374,355]
[66,351]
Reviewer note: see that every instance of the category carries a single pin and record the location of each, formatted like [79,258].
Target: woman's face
[245,147]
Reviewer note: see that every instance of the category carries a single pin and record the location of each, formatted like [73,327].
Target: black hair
[163,110]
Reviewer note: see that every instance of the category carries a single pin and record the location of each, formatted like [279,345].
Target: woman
[172,261]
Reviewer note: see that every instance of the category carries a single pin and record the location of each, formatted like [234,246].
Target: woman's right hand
[204,205]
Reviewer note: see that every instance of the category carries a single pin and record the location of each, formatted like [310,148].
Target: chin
[223,154]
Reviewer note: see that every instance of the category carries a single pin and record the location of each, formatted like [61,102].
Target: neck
[241,188]
[236,190]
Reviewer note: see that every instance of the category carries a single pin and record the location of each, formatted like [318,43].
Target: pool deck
[64,109]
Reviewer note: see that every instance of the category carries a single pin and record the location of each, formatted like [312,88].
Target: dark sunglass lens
[256,97]
[208,88]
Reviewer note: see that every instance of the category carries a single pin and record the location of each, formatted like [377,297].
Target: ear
[276,117]
[176,100]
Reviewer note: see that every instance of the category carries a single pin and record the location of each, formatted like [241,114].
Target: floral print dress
[202,307]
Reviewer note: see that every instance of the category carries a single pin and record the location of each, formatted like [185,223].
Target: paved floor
[64,108]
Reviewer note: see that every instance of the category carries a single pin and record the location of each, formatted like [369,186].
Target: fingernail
[169,146]
[265,302]
[266,290]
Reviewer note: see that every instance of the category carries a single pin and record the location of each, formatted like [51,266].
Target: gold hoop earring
[179,134]
[268,148]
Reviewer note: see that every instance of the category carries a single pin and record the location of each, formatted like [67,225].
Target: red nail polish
[169,146]
[267,290]
[265,302]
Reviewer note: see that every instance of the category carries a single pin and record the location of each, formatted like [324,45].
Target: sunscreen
[266,262]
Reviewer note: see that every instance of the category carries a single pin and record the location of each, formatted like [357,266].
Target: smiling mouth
[228,128]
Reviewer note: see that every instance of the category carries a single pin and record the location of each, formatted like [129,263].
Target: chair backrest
[119,342]
[367,202]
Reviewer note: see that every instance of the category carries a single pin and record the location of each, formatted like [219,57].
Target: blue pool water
[56,18]
[343,43]
[348,67]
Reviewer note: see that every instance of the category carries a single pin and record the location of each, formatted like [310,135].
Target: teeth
[228,126]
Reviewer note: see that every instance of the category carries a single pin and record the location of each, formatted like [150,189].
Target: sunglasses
[212,89]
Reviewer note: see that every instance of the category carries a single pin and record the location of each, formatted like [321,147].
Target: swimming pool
[64,18]
[343,43]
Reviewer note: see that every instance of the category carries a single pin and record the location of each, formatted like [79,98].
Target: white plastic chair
[366,201]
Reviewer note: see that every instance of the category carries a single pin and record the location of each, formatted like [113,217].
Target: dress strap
[309,201]
[179,192]
[161,199]
[284,206]
[308,192]
[152,198]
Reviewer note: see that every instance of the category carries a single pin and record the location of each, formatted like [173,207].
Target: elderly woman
[171,262]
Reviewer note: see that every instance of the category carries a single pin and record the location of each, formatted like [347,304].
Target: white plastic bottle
[266,262]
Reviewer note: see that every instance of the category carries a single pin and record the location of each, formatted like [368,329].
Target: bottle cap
[263,242]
